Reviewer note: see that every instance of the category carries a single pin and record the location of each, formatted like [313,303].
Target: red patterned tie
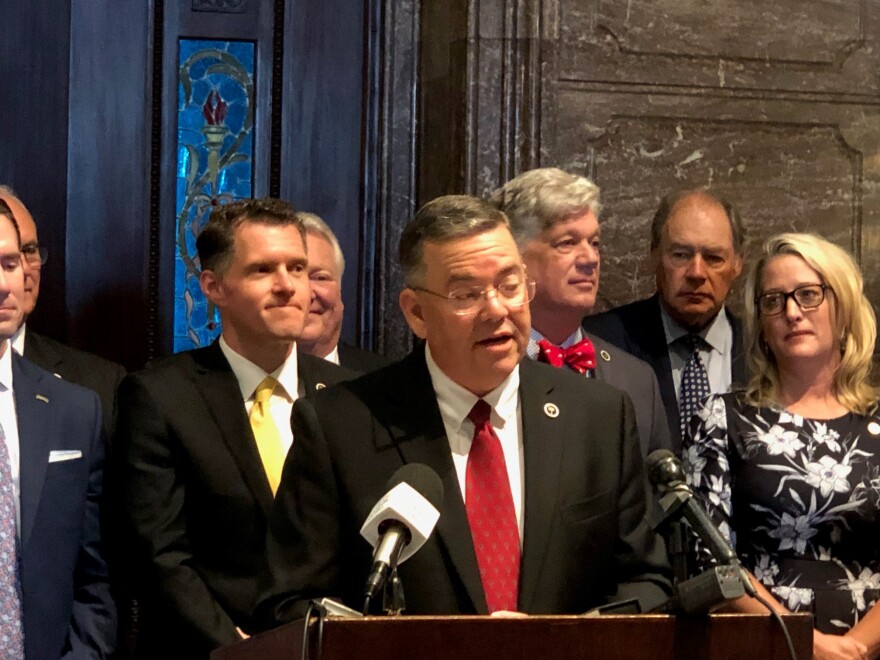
[491,515]
[581,356]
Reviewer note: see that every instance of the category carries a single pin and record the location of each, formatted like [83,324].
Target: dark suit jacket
[68,611]
[357,359]
[585,536]
[638,328]
[197,497]
[635,377]
[95,373]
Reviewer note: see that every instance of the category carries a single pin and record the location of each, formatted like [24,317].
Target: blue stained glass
[215,115]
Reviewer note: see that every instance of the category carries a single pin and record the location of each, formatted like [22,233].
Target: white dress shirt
[333,356]
[9,422]
[717,357]
[249,376]
[456,402]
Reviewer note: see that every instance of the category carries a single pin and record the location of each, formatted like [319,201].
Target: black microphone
[677,499]
[401,521]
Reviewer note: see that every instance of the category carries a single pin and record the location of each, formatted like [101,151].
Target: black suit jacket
[197,498]
[66,604]
[638,328]
[95,373]
[585,537]
[357,359]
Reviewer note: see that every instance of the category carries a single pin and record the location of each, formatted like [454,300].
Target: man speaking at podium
[544,495]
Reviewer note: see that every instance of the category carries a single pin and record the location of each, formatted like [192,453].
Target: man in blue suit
[53,451]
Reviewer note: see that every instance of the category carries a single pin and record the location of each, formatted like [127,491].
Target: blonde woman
[790,468]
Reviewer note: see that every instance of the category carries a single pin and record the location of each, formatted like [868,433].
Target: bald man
[97,374]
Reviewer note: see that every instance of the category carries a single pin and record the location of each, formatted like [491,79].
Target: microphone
[401,521]
[677,499]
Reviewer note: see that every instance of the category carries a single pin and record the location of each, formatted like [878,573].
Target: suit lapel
[216,382]
[543,439]
[650,334]
[41,352]
[35,431]
[739,373]
[421,438]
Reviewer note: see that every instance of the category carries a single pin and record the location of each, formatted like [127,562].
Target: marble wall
[773,105]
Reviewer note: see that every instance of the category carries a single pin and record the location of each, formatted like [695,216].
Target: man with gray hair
[554,219]
[544,502]
[693,343]
[320,336]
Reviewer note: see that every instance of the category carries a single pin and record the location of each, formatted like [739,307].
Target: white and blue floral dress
[801,499]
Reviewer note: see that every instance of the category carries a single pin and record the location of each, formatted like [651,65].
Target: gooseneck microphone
[401,521]
[678,500]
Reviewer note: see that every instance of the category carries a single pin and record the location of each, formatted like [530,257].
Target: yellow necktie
[266,432]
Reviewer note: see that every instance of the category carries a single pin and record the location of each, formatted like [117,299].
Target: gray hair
[440,220]
[538,199]
[316,226]
[668,203]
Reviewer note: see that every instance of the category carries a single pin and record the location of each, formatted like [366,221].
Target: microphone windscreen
[663,468]
[424,480]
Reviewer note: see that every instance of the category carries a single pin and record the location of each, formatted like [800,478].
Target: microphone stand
[393,599]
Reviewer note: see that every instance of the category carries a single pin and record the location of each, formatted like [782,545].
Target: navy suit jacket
[93,372]
[585,538]
[638,328]
[68,610]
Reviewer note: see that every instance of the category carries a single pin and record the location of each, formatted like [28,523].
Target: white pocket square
[58,455]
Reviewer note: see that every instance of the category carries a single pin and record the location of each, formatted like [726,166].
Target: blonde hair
[852,316]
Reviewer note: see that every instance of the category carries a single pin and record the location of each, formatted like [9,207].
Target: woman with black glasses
[790,468]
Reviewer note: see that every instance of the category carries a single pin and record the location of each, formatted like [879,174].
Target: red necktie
[491,515]
[581,356]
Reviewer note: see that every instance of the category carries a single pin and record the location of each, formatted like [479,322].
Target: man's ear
[737,265]
[212,287]
[413,312]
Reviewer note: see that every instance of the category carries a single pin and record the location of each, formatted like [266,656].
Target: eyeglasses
[34,254]
[807,297]
[512,292]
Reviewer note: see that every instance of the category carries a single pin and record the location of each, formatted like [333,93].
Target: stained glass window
[215,153]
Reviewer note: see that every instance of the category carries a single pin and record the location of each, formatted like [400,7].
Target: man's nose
[696,267]
[587,254]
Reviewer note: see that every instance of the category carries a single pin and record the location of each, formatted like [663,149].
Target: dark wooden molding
[221,6]
[154,317]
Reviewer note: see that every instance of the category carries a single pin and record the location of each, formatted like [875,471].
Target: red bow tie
[581,356]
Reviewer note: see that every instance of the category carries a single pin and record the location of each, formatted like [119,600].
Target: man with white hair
[554,219]
[324,323]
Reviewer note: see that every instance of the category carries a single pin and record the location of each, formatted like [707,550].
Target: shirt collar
[6,368]
[333,356]
[455,401]
[17,340]
[535,337]
[250,375]
[713,334]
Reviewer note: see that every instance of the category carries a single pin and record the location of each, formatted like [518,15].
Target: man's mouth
[496,340]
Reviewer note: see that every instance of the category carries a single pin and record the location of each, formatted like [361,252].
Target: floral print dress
[798,498]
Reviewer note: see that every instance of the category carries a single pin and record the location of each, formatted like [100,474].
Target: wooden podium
[614,637]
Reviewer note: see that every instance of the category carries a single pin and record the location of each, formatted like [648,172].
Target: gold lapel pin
[42,398]
[551,410]
[320,386]
[605,355]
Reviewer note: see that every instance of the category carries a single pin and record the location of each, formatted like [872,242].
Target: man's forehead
[23,217]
